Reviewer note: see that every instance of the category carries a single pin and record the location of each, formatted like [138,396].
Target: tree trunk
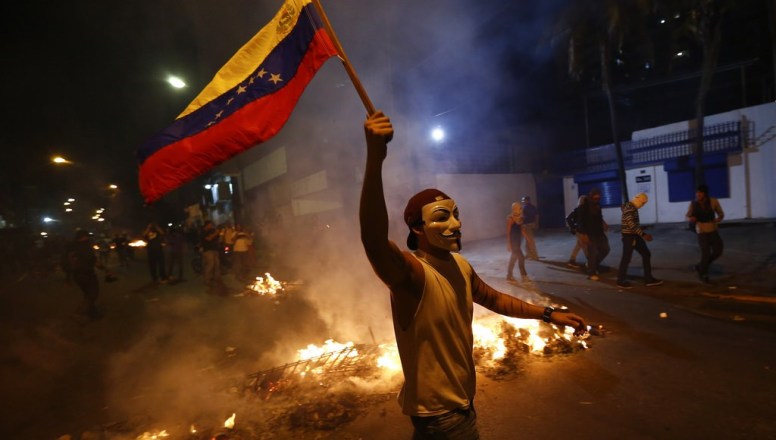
[605,57]
[710,21]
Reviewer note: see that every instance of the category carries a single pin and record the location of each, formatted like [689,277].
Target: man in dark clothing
[210,243]
[530,225]
[705,213]
[591,231]
[79,262]
[176,241]
[634,238]
[154,238]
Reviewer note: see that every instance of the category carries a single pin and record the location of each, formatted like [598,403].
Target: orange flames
[266,285]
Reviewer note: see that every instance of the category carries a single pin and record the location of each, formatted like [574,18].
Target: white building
[741,176]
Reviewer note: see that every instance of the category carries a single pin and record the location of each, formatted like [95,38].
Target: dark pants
[90,287]
[597,250]
[156,264]
[176,260]
[631,242]
[459,424]
[711,249]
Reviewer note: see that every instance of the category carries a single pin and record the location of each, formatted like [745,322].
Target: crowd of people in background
[586,223]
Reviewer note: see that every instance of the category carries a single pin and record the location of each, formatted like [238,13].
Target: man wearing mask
[591,231]
[530,225]
[432,294]
[634,238]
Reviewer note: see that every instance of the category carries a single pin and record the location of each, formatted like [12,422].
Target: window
[681,181]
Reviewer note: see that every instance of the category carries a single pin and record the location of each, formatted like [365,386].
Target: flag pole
[370,108]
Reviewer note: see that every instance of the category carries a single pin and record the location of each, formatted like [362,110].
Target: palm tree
[702,23]
[601,28]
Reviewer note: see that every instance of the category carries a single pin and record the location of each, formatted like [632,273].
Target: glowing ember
[153,435]
[266,285]
[328,346]
[229,423]
[137,243]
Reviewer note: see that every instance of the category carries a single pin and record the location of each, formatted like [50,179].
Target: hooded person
[591,232]
[433,290]
[634,238]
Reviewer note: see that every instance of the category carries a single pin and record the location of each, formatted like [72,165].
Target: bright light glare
[112,186]
[176,82]
[47,219]
[59,159]
[437,134]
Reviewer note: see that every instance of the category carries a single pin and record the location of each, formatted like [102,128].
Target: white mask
[441,225]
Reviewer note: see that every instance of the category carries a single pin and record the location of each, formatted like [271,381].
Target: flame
[389,359]
[137,243]
[229,423]
[266,285]
[328,346]
[153,435]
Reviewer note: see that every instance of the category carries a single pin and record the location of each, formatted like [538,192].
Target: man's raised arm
[385,257]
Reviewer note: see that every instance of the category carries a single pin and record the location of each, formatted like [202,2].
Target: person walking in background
[210,243]
[121,244]
[79,262]
[634,238]
[154,238]
[571,222]
[514,243]
[433,290]
[706,212]
[530,225]
[591,230]
[242,257]
[176,242]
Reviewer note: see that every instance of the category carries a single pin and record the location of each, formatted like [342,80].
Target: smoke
[425,63]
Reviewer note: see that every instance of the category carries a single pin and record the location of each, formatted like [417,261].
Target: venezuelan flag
[247,102]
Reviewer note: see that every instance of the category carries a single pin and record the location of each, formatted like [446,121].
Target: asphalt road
[681,360]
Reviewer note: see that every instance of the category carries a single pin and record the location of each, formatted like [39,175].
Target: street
[681,360]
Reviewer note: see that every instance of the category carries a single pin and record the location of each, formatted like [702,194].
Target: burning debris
[266,285]
[330,385]
[319,367]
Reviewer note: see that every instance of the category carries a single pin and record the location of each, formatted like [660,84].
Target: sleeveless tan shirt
[436,348]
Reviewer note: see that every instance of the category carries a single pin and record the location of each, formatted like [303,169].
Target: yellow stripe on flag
[250,56]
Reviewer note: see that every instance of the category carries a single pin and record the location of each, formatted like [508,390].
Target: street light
[59,160]
[176,82]
[438,134]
